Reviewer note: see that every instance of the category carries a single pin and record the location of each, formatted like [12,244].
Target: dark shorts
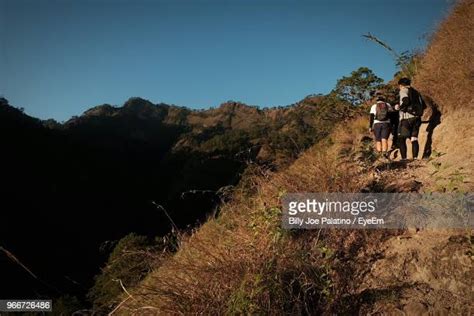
[381,131]
[409,127]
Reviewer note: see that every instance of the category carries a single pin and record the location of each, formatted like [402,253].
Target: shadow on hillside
[433,121]
[354,304]
[398,165]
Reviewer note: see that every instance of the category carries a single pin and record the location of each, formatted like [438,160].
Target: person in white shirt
[380,123]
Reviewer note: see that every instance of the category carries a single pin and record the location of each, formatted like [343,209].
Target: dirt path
[429,272]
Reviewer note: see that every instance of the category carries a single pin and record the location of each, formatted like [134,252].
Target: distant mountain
[67,188]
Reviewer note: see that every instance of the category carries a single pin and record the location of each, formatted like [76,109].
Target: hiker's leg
[404,132]
[402,144]
[415,147]
[378,136]
[414,138]
[395,135]
[385,133]
[394,130]
[384,145]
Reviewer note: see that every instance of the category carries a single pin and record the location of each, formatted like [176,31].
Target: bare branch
[17,261]
[373,38]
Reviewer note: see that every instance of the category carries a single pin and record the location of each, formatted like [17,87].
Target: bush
[132,258]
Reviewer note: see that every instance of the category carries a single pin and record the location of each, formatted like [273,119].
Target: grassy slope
[242,262]
[447,68]
[446,75]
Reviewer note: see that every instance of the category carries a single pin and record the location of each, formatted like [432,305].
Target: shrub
[133,257]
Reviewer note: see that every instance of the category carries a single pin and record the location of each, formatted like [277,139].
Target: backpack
[417,105]
[381,111]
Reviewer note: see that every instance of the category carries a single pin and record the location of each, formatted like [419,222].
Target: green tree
[356,88]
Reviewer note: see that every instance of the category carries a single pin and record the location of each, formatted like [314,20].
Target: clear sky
[61,57]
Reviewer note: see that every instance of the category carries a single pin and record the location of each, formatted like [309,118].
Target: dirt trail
[430,272]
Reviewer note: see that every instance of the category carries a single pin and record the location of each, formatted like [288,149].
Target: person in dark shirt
[411,109]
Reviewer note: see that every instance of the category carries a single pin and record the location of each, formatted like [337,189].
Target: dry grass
[447,68]
[447,77]
[243,262]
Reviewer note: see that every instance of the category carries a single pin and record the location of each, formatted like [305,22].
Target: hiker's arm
[405,103]
[372,118]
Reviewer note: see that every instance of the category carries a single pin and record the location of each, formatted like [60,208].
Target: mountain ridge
[111,160]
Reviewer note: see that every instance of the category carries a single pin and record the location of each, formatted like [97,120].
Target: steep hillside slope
[243,262]
[446,75]
[447,68]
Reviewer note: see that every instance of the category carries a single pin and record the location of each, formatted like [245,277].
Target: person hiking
[411,108]
[380,123]
[394,117]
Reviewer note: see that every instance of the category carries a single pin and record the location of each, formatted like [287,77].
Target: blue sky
[61,57]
